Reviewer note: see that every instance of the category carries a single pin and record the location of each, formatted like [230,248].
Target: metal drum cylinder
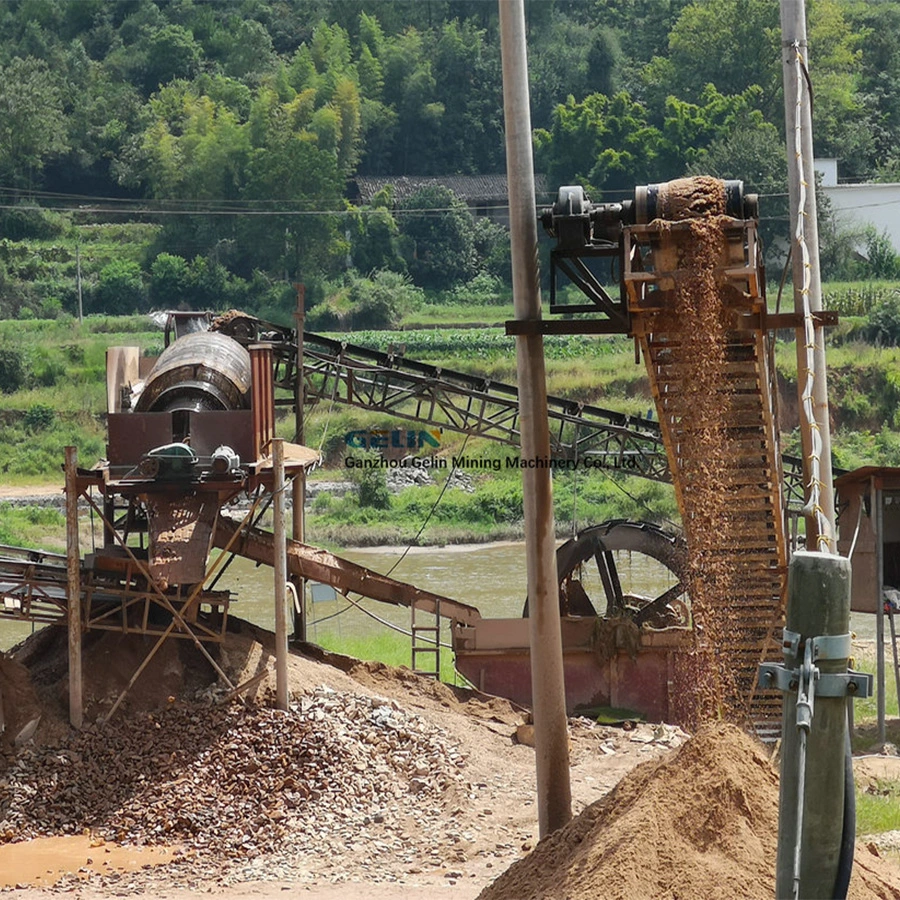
[204,371]
[689,198]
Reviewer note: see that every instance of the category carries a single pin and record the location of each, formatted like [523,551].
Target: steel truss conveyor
[335,371]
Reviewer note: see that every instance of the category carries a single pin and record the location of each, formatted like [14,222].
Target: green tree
[373,237]
[752,151]
[880,255]
[32,121]
[169,282]
[732,44]
[209,284]
[437,230]
[604,62]
[379,300]
[605,144]
[409,80]
[884,322]
[120,290]
[469,136]
[12,369]
[246,50]
[371,481]
[194,147]
[171,53]
[879,81]
[689,129]
[298,178]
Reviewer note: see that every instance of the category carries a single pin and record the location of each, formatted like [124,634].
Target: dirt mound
[19,706]
[702,822]
[232,780]
[109,661]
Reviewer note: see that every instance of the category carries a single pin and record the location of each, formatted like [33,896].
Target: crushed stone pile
[235,781]
[702,822]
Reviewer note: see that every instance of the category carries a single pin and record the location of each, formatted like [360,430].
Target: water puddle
[43,861]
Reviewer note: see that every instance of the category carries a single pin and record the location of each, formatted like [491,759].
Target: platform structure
[644,268]
[176,464]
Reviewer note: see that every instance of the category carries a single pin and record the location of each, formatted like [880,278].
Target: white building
[856,206]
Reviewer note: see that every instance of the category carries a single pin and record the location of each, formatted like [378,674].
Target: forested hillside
[172,149]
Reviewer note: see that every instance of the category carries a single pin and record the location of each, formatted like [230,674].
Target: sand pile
[700,823]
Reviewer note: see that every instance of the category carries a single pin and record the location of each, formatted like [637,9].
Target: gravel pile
[233,783]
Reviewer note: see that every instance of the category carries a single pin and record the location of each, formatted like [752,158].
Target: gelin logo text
[393,438]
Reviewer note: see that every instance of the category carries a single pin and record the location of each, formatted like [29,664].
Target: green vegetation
[156,154]
[382,645]
[30,526]
[878,808]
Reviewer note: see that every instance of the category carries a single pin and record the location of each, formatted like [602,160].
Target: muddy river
[490,577]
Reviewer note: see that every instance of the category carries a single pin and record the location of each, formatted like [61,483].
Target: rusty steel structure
[188,435]
[649,242]
[192,432]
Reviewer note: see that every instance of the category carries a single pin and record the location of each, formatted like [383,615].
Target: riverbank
[389,528]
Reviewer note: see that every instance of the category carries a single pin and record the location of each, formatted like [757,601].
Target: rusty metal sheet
[494,655]
[131,435]
[181,532]
[321,565]
[209,430]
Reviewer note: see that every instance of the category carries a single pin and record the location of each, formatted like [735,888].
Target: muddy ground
[378,783]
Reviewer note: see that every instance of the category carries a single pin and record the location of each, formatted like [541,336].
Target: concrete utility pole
[547,683]
[73,592]
[815,741]
[801,176]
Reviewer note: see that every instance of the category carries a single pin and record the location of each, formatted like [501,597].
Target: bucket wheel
[590,585]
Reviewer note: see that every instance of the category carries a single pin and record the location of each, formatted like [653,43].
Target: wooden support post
[73,593]
[880,678]
[298,487]
[802,179]
[279,537]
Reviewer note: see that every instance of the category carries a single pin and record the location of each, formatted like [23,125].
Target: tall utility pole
[547,684]
[78,282]
[813,391]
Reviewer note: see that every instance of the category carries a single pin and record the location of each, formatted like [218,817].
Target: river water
[491,577]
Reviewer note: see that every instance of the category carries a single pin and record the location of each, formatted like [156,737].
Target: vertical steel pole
[279,537]
[298,487]
[802,172]
[547,680]
[73,592]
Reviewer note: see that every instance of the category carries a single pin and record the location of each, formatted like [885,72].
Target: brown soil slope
[700,823]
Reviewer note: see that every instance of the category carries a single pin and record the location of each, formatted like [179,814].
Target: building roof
[883,475]
[471,188]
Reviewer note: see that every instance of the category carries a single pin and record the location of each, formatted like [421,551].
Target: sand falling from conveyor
[696,358]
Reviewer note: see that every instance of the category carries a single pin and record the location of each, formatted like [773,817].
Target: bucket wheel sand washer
[619,643]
